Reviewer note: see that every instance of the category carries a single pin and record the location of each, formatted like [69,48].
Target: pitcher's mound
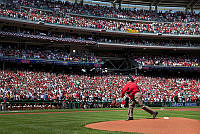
[173,125]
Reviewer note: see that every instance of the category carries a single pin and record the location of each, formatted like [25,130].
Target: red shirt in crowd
[131,88]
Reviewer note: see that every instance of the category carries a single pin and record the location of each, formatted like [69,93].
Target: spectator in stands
[177,28]
[176,99]
[22,85]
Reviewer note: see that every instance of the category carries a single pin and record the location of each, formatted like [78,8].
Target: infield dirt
[173,125]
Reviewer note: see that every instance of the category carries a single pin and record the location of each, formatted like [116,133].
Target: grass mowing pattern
[73,123]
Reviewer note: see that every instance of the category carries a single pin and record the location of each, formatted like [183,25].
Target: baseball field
[70,121]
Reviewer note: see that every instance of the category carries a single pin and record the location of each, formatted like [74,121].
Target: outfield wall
[66,104]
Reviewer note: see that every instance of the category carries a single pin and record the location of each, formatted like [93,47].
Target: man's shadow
[142,119]
[152,118]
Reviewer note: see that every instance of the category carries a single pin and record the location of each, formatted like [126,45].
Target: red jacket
[131,88]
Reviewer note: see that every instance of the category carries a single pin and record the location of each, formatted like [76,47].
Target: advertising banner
[131,31]
[183,104]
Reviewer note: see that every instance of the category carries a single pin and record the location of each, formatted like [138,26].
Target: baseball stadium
[99,66]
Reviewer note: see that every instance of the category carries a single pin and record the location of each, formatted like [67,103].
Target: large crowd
[146,42]
[88,57]
[184,61]
[37,85]
[108,12]
[50,38]
[38,34]
[30,85]
[48,54]
[89,39]
[31,14]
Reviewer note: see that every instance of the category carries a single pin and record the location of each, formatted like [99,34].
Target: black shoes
[154,115]
[130,118]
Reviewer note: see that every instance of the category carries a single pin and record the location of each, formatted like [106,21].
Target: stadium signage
[131,31]
[40,61]
[183,104]
[193,68]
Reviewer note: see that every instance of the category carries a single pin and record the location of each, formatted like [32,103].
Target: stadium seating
[30,85]
[168,61]
[84,39]
[108,12]
[40,85]
[152,27]
[46,54]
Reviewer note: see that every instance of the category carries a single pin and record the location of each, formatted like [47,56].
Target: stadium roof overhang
[194,4]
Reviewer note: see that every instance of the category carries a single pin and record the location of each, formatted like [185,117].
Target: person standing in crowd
[176,99]
[135,95]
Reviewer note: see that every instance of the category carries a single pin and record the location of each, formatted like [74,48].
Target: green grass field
[74,122]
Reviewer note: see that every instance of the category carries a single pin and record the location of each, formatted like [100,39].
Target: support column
[150,7]
[3,66]
[81,2]
[114,5]
[156,8]
[186,10]
[120,5]
[192,9]
[4,2]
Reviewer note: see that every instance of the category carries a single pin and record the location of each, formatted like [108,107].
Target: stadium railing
[68,104]
[151,67]
[93,29]
[41,61]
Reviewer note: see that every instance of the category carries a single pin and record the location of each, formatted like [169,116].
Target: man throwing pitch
[135,95]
